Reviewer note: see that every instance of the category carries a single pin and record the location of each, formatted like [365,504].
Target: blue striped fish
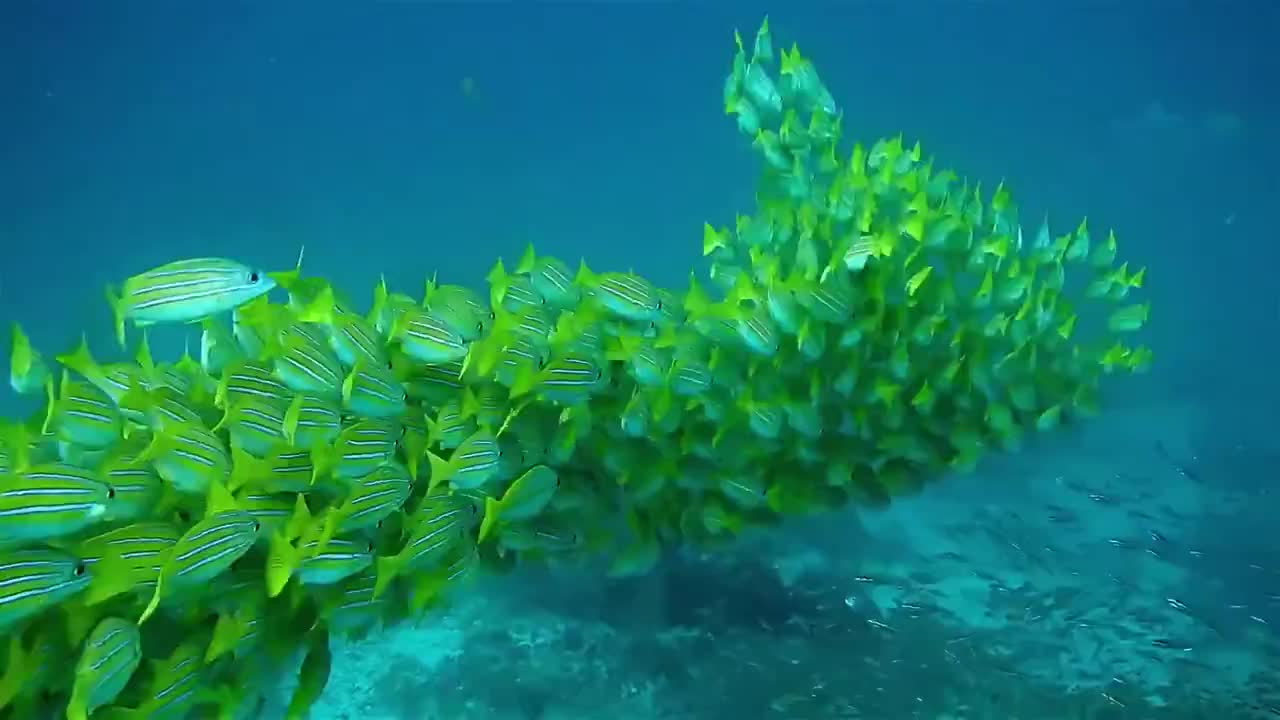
[372,498]
[550,278]
[511,292]
[207,549]
[304,362]
[434,384]
[335,561]
[450,426]
[373,391]
[185,291]
[461,308]
[359,449]
[239,629]
[138,488]
[456,566]
[254,425]
[542,535]
[251,380]
[173,686]
[645,363]
[283,470]
[314,563]
[352,338]
[351,605]
[35,579]
[521,355]
[566,380]
[126,559]
[84,415]
[111,655]
[188,456]
[472,464]
[488,403]
[311,421]
[51,500]
[271,510]
[426,337]
[442,521]
[388,307]
[625,295]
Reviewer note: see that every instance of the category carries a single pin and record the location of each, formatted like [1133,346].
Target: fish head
[253,282]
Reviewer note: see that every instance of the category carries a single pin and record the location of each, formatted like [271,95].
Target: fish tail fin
[330,526]
[380,294]
[18,439]
[282,558]
[118,713]
[116,303]
[387,569]
[440,470]
[81,361]
[245,468]
[225,632]
[291,416]
[78,707]
[527,261]
[319,309]
[300,519]
[499,282]
[106,582]
[16,672]
[492,509]
[148,612]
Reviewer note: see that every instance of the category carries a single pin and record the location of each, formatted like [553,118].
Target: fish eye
[369,547]
[479,327]
[493,315]
[184,516]
[542,362]
[543,301]
[78,570]
[253,276]
[599,374]
[658,306]
[257,526]
[111,493]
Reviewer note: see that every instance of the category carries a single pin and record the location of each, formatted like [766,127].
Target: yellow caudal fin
[116,303]
[492,510]
[282,559]
[150,610]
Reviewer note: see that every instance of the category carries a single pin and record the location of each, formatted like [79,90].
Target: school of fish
[169,531]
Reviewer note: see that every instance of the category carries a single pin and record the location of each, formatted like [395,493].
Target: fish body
[186,291]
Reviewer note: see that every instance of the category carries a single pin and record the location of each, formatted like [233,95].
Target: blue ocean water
[406,139]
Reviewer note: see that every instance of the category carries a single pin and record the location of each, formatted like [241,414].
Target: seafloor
[1084,577]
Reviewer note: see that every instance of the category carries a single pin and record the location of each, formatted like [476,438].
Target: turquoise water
[405,139]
